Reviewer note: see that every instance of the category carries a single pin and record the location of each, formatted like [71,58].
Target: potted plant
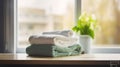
[85,27]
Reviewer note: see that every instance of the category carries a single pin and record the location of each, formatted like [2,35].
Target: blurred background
[108,17]
[36,16]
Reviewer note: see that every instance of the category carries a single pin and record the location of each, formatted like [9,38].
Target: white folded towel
[67,33]
[53,40]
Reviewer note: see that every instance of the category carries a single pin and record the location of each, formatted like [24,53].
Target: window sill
[106,49]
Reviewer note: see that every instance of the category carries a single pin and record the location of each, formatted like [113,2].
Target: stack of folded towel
[53,44]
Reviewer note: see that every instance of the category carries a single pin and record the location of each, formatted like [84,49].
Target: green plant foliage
[86,25]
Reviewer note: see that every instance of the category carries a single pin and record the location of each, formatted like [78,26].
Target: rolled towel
[67,33]
[52,39]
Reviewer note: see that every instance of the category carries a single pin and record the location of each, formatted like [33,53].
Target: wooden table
[83,59]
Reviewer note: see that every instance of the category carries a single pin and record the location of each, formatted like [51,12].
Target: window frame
[11,30]
[9,19]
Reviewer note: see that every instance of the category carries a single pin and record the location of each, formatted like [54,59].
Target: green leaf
[91,33]
[86,25]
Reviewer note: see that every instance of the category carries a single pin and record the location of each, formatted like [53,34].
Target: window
[36,16]
[107,13]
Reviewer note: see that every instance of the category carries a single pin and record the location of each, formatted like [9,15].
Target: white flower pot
[85,42]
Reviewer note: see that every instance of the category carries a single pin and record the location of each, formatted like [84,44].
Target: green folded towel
[53,50]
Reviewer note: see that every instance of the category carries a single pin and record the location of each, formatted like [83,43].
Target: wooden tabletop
[83,59]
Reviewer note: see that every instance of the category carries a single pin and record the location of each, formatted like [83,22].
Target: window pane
[107,13]
[36,16]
